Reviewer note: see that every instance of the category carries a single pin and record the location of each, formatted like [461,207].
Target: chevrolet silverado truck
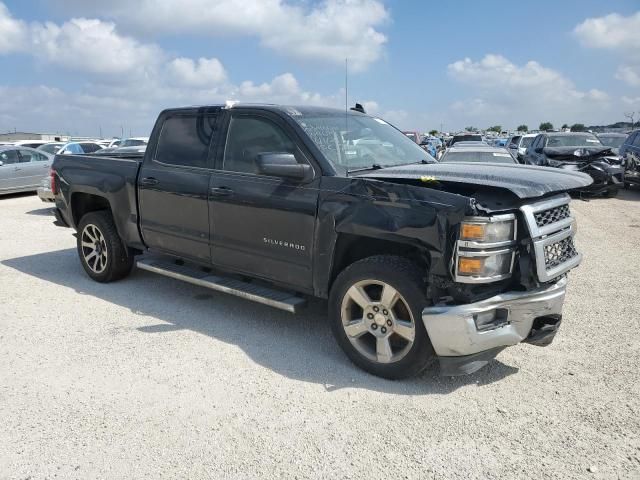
[419,261]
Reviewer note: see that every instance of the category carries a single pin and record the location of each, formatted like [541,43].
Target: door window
[9,156]
[249,137]
[26,156]
[636,141]
[185,139]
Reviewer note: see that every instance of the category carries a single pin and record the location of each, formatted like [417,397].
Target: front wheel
[376,316]
[103,255]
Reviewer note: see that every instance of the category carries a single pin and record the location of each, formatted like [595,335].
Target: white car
[134,142]
[523,144]
[51,148]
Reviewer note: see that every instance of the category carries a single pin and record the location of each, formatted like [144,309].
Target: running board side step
[249,291]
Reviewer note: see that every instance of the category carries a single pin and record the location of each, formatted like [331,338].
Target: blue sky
[81,66]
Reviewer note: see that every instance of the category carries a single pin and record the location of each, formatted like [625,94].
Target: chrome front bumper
[453,332]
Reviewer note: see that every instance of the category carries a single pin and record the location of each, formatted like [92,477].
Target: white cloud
[629,74]
[12,32]
[508,93]
[205,72]
[329,31]
[633,101]
[618,34]
[92,46]
[612,31]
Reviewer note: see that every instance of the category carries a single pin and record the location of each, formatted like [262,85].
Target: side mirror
[282,165]
[538,149]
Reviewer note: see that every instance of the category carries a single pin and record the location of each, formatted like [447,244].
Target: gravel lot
[150,378]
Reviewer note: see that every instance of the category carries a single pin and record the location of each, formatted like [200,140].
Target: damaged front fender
[407,214]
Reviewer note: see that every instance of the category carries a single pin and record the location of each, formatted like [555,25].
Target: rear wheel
[103,255]
[376,316]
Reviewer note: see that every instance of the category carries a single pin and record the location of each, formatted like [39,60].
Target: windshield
[51,148]
[615,142]
[573,141]
[466,138]
[480,157]
[526,141]
[130,142]
[359,141]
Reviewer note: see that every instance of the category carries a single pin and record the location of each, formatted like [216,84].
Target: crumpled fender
[414,215]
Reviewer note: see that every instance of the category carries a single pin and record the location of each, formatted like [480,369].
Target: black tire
[406,279]
[612,192]
[118,260]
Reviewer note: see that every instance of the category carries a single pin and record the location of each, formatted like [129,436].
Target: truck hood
[523,181]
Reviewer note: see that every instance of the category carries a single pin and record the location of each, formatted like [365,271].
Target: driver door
[262,225]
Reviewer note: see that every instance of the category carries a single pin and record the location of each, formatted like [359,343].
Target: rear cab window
[185,138]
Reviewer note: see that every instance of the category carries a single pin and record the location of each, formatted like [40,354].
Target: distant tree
[578,127]
[471,129]
[495,128]
[544,126]
[523,128]
[564,125]
[433,133]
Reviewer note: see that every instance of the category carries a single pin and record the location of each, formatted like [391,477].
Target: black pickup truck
[418,260]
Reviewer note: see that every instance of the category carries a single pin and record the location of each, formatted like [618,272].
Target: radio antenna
[346,94]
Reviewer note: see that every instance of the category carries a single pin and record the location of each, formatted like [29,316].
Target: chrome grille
[552,215]
[552,229]
[558,253]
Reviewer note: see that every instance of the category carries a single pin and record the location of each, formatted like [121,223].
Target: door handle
[149,181]
[221,191]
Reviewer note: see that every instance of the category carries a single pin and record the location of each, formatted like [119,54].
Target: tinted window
[614,142]
[31,156]
[248,137]
[90,147]
[73,148]
[636,141]
[526,141]
[9,156]
[184,140]
[132,142]
[51,148]
[466,138]
[573,141]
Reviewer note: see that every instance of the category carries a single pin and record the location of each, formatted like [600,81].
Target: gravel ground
[151,378]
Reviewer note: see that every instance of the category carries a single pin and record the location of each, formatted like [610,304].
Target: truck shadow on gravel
[300,346]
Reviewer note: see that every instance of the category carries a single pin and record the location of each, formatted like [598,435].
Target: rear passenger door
[262,225]
[34,167]
[9,170]
[173,185]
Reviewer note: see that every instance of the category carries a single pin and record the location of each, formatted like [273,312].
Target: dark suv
[581,152]
[630,153]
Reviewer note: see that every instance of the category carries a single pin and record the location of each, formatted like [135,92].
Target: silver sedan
[22,169]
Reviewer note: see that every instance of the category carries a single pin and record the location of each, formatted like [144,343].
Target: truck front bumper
[467,337]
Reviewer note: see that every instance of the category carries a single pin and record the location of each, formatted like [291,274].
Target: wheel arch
[350,248]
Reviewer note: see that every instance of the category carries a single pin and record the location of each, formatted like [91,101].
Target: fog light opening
[491,319]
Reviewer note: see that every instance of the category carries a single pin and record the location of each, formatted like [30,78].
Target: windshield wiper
[374,166]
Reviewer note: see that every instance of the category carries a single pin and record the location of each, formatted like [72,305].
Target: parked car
[512,145]
[581,152]
[415,136]
[22,168]
[630,154]
[134,142]
[78,148]
[482,154]
[612,140]
[115,143]
[123,151]
[523,144]
[418,260]
[429,146]
[51,148]
[30,143]
[465,137]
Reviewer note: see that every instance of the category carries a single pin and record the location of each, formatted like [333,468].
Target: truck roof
[292,110]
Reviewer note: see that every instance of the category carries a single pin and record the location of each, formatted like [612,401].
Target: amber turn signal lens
[469,266]
[472,231]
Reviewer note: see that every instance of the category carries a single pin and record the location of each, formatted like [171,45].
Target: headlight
[485,249]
